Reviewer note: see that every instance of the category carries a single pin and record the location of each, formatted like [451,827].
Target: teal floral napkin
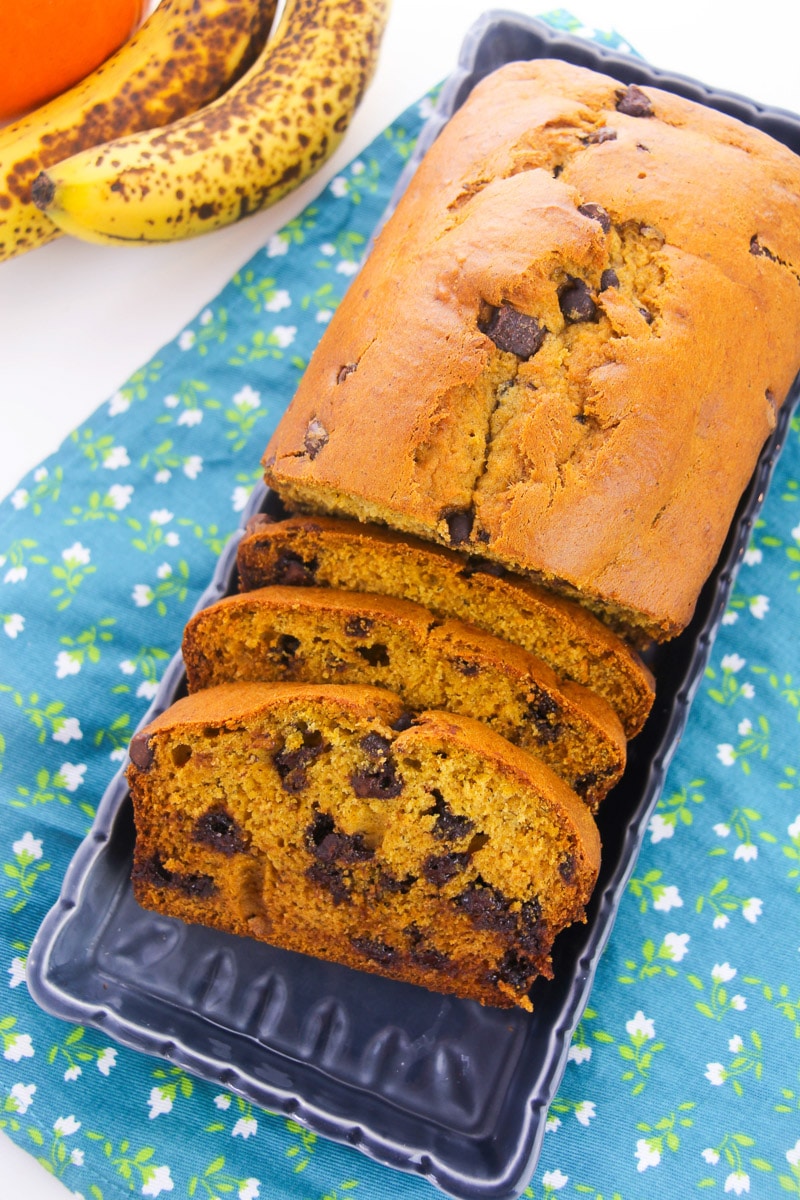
[684,1073]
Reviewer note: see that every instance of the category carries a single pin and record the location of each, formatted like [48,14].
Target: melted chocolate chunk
[358,626]
[329,845]
[448,826]
[376,655]
[316,437]
[459,525]
[596,212]
[513,331]
[585,783]
[141,751]
[598,136]
[425,955]
[375,745]
[291,570]
[465,667]
[648,316]
[566,868]
[286,648]
[403,722]
[482,566]
[609,279]
[532,930]
[541,709]
[515,970]
[382,783]
[439,868]
[487,907]
[633,102]
[757,248]
[217,828]
[291,764]
[575,301]
[390,883]
[154,872]
[376,950]
[332,879]
[346,370]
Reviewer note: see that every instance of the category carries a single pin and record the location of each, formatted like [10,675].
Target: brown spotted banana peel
[245,151]
[185,55]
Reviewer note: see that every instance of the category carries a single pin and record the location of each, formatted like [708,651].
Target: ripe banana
[184,56]
[268,133]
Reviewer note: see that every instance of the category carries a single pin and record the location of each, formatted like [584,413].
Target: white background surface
[77,319]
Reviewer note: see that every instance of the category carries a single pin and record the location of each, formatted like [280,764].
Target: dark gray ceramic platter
[432,1085]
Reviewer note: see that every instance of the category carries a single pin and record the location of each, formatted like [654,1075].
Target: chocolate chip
[543,710]
[598,136]
[487,907]
[217,828]
[346,370]
[154,872]
[390,883]
[482,566]
[376,950]
[316,437]
[375,745]
[291,764]
[380,784]
[633,102]
[332,878]
[376,655]
[516,970]
[532,931]
[596,212]
[459,525]
[584,783]
[566,868]
[465,667]
[403,722]
[648,316]
[291,570]
[439,868]
[448,826]
[609,279]
[575,301]
[512,330]
[329,844]
[358,626]
[425,955]
[141,751]
[285,648]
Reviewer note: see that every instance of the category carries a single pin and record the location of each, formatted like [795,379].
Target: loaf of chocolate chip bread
[323,635]
[568,346]
[327,552]
[316,818]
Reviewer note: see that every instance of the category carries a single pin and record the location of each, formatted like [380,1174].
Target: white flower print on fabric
[667,898]
[68,730]
[677,944]
[118,404]
[346,267]
[66,664]
[715,1073]
[191,417]
[13,624]
[745,852]
[579,1054]
[723,972]
[711,1156]
[119,496]
[193,466]
[752,556]
[737,1182]
[22,1096]
[250,1189]
[223,1102]
[20,498]
[733,663]
[247,398]
[115,458]
[585,1112]
[646,1155]
[245,1127]
[555,1180]
[751,909]
[793,1155]
[164,571]
[15,575]
[158,1180]
[187,339]
[552,1124]
[659,829]
[161,516]
[28,845]
[159,1102]
[76,1157]
[277,245]
[17,972]
[284,335]
[338,186]
[280,300]
[18,1046]
[72,1073]
[76,555]
[147,689]
[323,316]
[640,1027]
[106,1060]
[239,498]
[759,607]
[142,595]
[726,754]
[72,774]
[66,1125]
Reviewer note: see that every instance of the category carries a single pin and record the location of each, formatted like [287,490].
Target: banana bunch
[184,56]
[263,137]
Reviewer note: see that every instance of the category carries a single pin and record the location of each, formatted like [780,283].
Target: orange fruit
[47,45]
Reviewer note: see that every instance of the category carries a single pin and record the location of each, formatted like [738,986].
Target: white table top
[77,319]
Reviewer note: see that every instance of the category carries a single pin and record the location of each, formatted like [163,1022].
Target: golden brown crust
[436,853]
[306,551]
[327,635]
[607,460]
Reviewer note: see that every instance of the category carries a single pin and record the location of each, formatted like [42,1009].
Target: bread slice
[314,817]
[322,635]
[326,551]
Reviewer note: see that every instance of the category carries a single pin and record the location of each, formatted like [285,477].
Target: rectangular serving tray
[428,1084]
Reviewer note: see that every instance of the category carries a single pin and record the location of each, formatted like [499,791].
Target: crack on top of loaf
[760,250]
